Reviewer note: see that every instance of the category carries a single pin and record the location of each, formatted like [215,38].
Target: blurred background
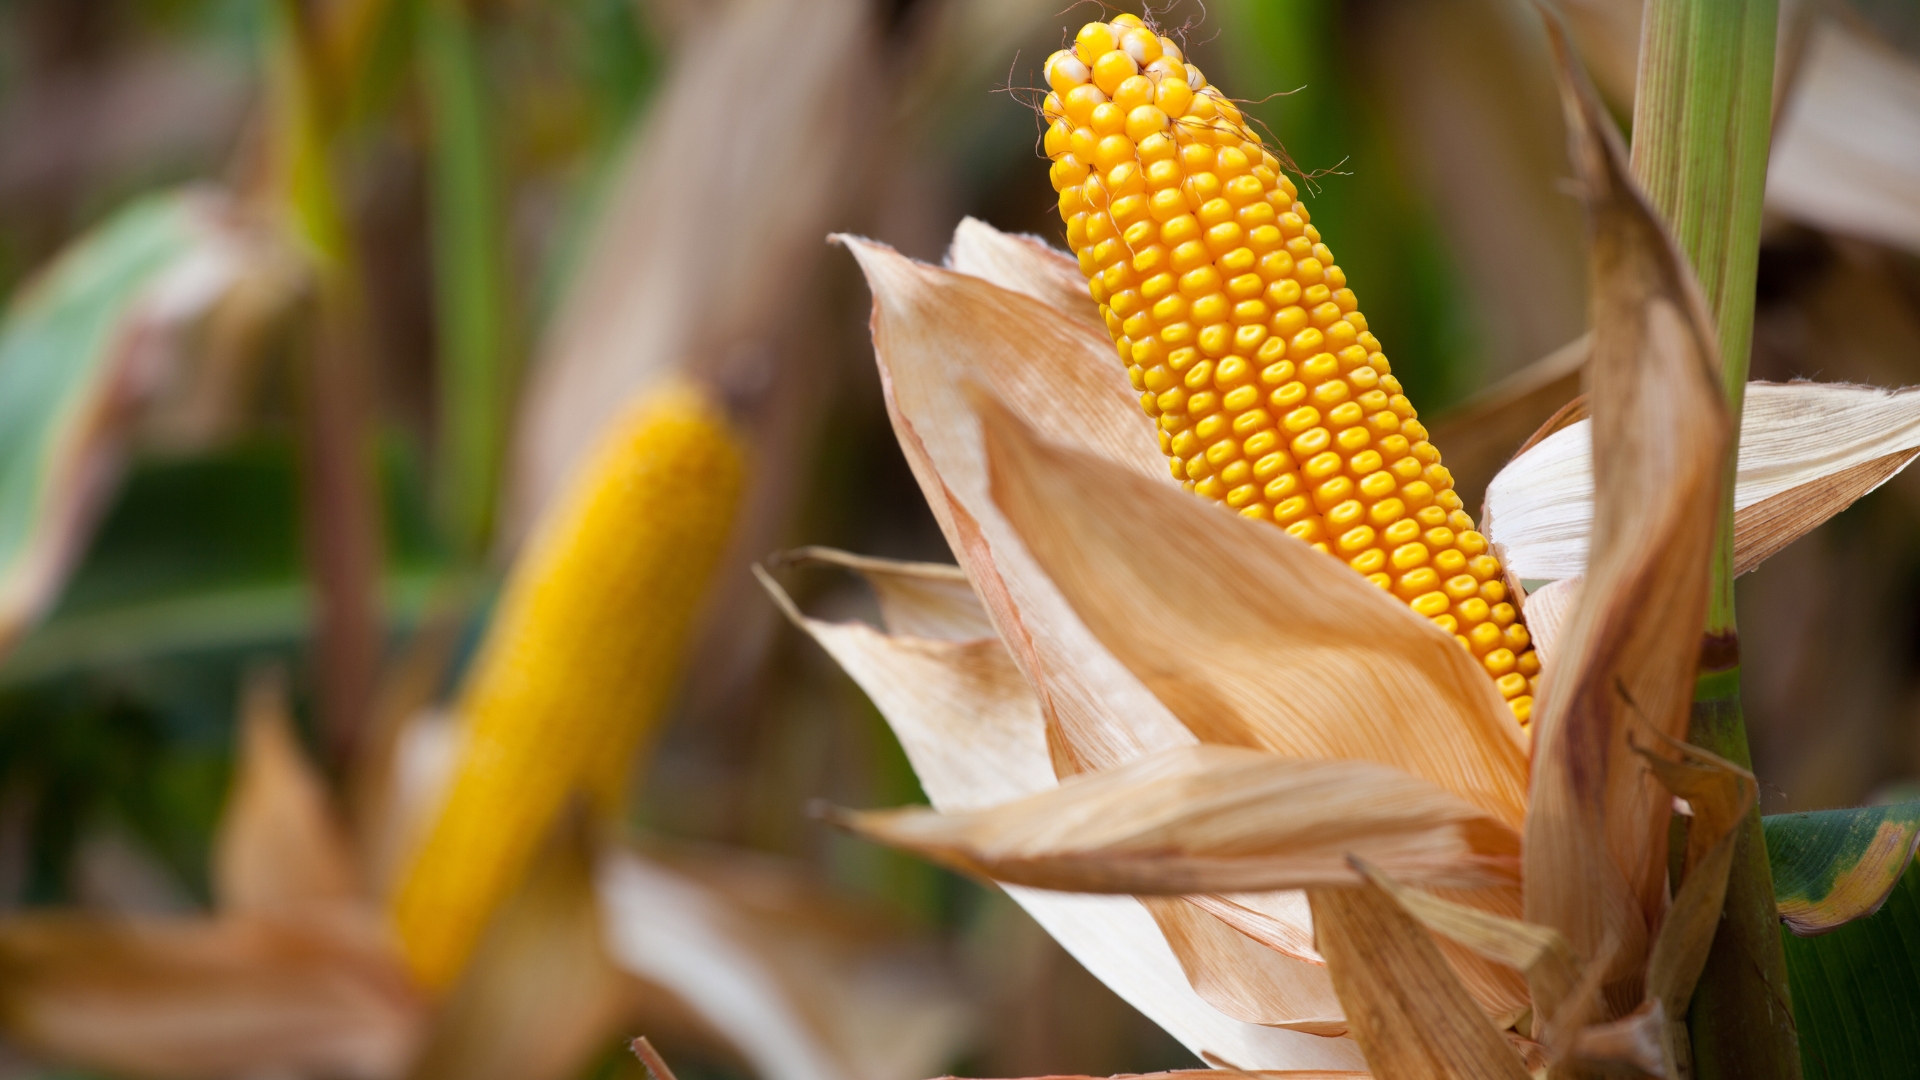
[434,238]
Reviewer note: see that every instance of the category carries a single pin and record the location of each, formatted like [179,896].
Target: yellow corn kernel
[1196,245]
[577,663]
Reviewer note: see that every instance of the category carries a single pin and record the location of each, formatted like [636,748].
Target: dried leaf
[799,997]
[1807,451]
[923,600]
[1843,155]
[1025,264]
[280,850]
[82,348]
[972,729]
[1243,978]
[1254,639]
[1720,794]
[196,998]
[1596,822]
[1831,867]
[1407,1010]
[540,996]
[690,258]
[967,720]
[1213,819]
[1547,610]
[1251,637]
[935,332]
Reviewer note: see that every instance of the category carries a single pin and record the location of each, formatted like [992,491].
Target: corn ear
[577,663]
[1248,348]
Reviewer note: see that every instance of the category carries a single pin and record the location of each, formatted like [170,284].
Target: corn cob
[577,663]
[1246,344]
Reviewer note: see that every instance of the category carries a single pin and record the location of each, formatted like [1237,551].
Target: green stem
[469,277]
[1702,112]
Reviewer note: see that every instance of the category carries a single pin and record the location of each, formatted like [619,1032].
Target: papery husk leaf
[1831,867]
[539,997]
[972,729]
[186,999]
[1243,978]
[1597,819]
[280,850]
[1539,952]
[691,258]
[1213,819]
[1843,150]
[1027,265]
[964,715]
[1254,639]
[936,333]
[801,991]
[1407,1010]
[923,600]
[1635,1043]
[1547,611]
[1807,452]
[1720,793]
[83,347]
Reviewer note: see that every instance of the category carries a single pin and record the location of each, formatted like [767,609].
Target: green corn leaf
[1834,866]
[81,348]
[1856,991]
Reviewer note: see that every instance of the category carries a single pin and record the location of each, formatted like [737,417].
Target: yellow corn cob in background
[577,662]
[1246,345]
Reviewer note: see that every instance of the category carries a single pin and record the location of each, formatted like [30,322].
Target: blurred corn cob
[1247,347]
[577,662]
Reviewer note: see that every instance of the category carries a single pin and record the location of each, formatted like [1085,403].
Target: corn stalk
[1701,128]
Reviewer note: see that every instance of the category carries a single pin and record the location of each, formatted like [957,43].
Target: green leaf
[1834,866]
[80,348]
[1856,991]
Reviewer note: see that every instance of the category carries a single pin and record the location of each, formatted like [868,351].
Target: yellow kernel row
[1237,327]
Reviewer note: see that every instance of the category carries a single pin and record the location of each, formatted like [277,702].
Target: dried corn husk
[1596,818]
[1807,451]
[973,731]
[1214,819]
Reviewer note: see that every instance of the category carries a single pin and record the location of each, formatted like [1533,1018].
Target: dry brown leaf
[1025,264]
[1406,1009]
[965,717]
[1720,793]
[192,999]
[1846,154]
[1547,609]
[1807,452]
[279,850]
[972,729]
[935,333]
[691,259]
[923,600]
[802,990]
[1243,978]
[1202,819]
[1596,823]
[1254,639]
